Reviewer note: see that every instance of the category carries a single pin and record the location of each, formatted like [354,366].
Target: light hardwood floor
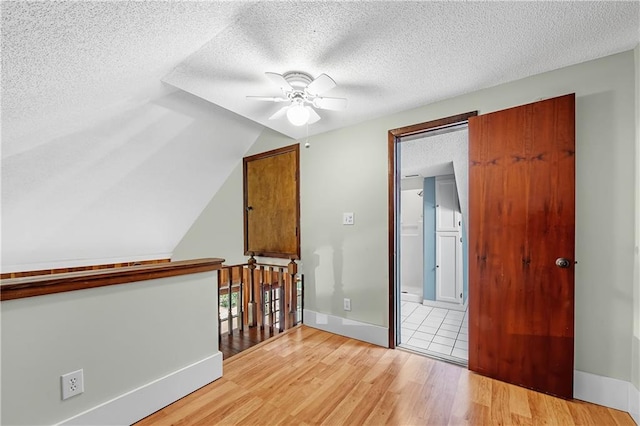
[308,376]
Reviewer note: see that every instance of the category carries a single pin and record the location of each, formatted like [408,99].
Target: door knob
[561,262]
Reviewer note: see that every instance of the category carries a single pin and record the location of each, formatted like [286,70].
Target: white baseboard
[634,403]
[370,333]
[411,297]
[137,404]
[445,305]
[601,390]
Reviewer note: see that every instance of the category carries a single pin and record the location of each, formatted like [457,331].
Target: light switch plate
[347,304]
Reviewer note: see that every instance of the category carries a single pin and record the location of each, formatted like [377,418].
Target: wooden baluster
[274,298]
[293,308]
[281,297]
[245,305]
[218,293]
[252,311]
[240,303]
[286,296]
[262,299]
[272,302]
[229,294]
[267,297]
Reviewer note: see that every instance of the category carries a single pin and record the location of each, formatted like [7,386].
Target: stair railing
[266,296]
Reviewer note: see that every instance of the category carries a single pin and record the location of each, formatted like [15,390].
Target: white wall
[124,187]
[218,231]
[635,356]
[411,241]
[346,171]
[123,336]
[604,200]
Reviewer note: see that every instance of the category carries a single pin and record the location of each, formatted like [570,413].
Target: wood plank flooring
[238,342]
[308,376]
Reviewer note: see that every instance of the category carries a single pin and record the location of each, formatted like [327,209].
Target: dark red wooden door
[521,221]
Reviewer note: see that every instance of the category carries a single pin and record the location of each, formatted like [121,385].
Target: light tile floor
[436,331]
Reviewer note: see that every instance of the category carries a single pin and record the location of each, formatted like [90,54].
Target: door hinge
[296,231]
[460,239]
[460,295]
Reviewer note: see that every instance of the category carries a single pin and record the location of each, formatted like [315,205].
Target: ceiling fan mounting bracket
[297,96]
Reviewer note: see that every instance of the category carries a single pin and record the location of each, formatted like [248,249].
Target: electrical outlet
[347,219]
[72,384]
[347,304]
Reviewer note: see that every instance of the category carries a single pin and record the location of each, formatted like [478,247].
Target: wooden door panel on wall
[271,203]
[521,205]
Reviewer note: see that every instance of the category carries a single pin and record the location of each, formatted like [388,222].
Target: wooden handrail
[17,288]
[20,274]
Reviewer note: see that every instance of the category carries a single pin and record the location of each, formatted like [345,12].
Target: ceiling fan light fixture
[303,94]
[297,115]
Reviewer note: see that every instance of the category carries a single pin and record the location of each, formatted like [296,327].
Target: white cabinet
[448,267]
[448,241]
[447,206]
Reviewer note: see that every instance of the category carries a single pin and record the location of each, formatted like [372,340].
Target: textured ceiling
[391,56]
[57,57]
[65,64]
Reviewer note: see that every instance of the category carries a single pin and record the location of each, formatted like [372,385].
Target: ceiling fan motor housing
[297,79]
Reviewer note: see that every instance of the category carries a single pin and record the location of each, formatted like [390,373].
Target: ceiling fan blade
[334,104]
[279,113]
[320,85]
[279,81]
[267,98]
[313,115]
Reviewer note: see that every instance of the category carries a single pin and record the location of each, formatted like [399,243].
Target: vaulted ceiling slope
[101,161]
[103,158]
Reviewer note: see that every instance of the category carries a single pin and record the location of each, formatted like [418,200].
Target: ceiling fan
[303,95]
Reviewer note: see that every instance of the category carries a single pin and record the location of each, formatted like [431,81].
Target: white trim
[411,297]
[445,305]
[370,333]
[601,390]
[135,405]
[634,403]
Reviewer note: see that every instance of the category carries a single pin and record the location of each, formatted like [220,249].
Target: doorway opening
[433,248]
[428,201]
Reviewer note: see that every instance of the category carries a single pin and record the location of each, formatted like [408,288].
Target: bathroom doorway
[431,241]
